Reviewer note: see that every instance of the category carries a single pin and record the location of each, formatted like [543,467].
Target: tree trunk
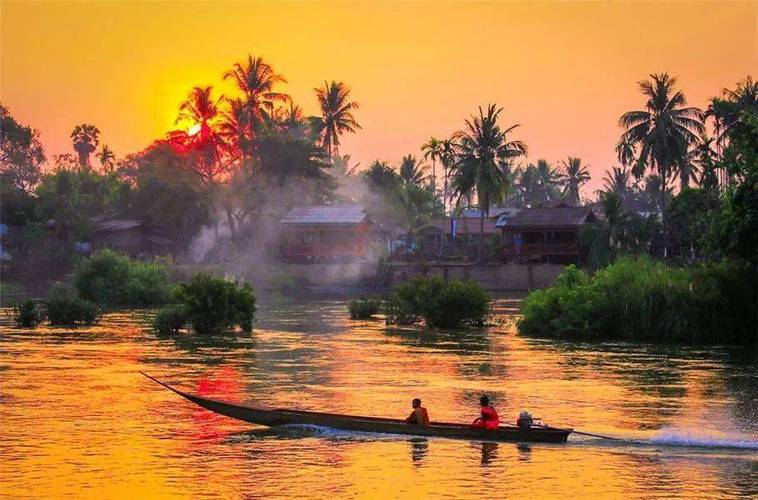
[481,235]
[230,222]
[663,215]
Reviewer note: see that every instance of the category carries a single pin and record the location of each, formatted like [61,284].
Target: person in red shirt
[419,415]
[489,418]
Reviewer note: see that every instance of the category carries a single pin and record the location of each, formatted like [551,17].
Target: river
[78,420]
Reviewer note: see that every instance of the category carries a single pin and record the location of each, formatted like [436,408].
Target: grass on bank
[641,299]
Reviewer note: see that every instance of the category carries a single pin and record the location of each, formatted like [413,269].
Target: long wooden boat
[276,417]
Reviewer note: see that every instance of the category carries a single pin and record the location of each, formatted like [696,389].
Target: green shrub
[440,304]
[26,315]
[647,300]
[112,279]
[170,319]
[214,305]
[398,312]
[64,308]
[363,308]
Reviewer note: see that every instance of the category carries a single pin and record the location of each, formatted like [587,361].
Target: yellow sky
[564,71]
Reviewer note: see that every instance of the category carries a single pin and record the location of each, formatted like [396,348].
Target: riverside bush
[439,304]
[113,279]
[638,298]
[64,308]
[170,319]
[215,305]
[363,308]
[26,315]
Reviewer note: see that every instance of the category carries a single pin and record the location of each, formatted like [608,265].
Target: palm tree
[573,176]
[728,110]
[107,158]
[447,158]
[616,181]
[625,152]
[233,127]
[483,156]
[85,138]
[432,149]
[336,114]
[412,171]
[664,130]
[256,80]
[537,184]
[706,159]
[200,139]
[616,218]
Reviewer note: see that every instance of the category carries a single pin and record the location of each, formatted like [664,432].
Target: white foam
[703,439]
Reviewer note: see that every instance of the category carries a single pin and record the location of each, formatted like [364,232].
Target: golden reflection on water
[78,420]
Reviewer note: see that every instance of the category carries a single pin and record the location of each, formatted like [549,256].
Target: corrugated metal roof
[550,217]
[474,213]
[325,214]
[506,215]
[118,224]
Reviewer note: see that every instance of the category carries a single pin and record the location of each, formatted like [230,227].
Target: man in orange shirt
[419,415]
[489,418]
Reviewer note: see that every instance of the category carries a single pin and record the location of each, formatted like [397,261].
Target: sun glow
[194,129]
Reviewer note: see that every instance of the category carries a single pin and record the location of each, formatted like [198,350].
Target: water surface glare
[78,420]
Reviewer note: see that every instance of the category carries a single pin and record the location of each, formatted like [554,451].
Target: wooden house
[549,234]
[325,233]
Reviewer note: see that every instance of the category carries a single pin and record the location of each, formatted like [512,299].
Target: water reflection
[77,418]
[419,449]
[489,453]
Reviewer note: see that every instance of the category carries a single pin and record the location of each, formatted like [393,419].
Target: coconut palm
[728,110]
[705,160]
[336,115]
[199,137]
[412,170]
[574,174]
[433,149]
[256,79]
[233,127]
[663,131]
[85,139]
[447,158]
[625,153]
[537,184]
[617,181]
[484,152]
[107,158]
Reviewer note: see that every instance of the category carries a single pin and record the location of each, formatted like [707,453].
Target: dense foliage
[65,308]
[363,307]
[113,279]
[439,304]
[170,319]
[215,305]
[638,298]
[26,315]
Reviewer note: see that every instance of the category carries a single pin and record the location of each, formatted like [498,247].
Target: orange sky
[564,71]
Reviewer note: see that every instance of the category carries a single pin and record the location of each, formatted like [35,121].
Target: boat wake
[700,439]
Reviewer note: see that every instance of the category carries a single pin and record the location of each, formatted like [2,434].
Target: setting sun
[194,129]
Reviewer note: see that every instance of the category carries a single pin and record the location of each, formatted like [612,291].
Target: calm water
[78,420]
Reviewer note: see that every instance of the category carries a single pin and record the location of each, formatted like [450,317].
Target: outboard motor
[525,421]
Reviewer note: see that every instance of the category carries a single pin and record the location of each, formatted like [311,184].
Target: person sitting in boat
[419,415]
[489,418]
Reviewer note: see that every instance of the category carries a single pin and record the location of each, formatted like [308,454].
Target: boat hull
[277,417]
